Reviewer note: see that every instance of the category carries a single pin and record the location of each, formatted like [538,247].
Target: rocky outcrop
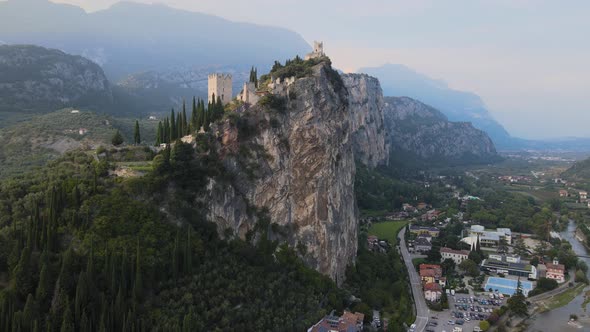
[419,132]
[37,79]
[366,119]
[302,165]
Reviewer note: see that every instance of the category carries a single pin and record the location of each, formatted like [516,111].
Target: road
[422,311]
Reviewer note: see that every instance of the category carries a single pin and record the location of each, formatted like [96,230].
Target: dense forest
[83,251]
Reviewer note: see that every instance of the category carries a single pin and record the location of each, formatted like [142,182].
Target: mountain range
[128,37]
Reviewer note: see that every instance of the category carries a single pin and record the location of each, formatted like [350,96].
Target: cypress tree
[29,313]
[179,125]
[194,115]
[138,287]
[22,274]
[136,133]
[67,324]
[81,296]
[159,134]
[184,122]
[188,252]
[44,286]
[173,135]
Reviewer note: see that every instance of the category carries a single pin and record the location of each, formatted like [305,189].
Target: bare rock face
[366,118]
[37,79]
[302,165]
[420,132]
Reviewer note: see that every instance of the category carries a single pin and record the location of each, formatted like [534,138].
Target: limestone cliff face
[420,132]
[366,119]
[37,79]
[298,163]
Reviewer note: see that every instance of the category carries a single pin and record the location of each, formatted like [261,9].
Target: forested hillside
[81,251]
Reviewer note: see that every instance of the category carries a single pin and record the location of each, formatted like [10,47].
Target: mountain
[35,79]
[129,38]
[293,156]
[579,171]
[420,134]
[399,80]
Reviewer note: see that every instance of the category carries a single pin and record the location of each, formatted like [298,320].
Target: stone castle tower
[221,86]
[318,51]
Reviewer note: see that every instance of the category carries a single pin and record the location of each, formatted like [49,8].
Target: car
[434,317]
[413,326]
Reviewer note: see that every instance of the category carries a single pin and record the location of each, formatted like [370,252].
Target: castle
[220,85]
[318,51]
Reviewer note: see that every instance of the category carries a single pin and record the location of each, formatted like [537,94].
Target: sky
[528,60]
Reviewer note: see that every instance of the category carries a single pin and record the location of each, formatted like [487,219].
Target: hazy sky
[529,60]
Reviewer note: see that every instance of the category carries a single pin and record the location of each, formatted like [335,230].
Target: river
[556,320]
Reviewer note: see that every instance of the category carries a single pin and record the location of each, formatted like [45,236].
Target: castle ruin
[318,51]
[220,85]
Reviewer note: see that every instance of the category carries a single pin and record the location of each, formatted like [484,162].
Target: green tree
[484,325]
[469,267]
[117,138]
[136,133]
[517,302]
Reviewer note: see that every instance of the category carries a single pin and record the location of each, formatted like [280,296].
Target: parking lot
[464,311]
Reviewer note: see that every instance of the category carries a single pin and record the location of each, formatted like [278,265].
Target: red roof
[432,286]
[552,266]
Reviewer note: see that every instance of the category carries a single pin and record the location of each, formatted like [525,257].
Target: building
[422,245]
[318,51]
[417,230]
[422,206]
[505,257]
[82,131]
[491,238]
[431,215]
[583,195]
[563,193]
[457,256]
[555,271]
[541,271]
[348,322]
[430,273]
[408,208]
[513,269]
[432,292]
[220,85]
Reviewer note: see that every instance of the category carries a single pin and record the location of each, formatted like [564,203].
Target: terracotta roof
[552,266]
[432,286]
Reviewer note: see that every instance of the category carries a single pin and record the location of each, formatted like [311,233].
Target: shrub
[484,325]
[273,102]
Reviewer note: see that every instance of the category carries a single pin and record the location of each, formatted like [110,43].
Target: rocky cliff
[296,161]
[37,79]
[366,107]
[420,133]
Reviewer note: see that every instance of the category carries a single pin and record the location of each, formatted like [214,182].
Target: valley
[166,169]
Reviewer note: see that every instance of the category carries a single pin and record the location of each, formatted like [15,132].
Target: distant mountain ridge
[421,135]
[128,37]
[35,79]
[399,80]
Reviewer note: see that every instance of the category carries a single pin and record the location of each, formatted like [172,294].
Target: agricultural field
[387,230]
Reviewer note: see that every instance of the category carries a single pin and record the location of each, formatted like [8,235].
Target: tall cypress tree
[138,286]
[184,121]
[136,134]
[159,134]
[194,115]
[173,132]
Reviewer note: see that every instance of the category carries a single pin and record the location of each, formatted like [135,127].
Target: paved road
[562,288]
[422,311]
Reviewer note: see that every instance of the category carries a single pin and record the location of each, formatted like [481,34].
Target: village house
[422,245]
[432,292]
[583,195]
[430,273]
[563,193]
[457,256]
[417,230]
[408,208]
[431,215]
[422,206]
[348,322]
[556,271]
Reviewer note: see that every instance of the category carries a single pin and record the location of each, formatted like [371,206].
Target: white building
[457,256]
